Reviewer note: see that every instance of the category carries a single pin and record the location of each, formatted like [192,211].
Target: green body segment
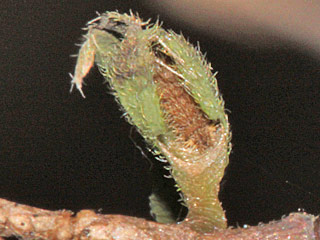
[201,190]
[197,76]
[126,66]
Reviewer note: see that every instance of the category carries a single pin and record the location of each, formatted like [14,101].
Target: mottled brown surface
[182,114]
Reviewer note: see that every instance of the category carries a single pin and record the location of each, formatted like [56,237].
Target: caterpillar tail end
[77,83]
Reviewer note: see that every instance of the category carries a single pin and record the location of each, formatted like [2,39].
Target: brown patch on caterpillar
[182,113]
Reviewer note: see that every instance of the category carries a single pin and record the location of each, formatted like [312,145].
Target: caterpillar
[168,91]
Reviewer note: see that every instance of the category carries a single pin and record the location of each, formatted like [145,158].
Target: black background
[58,150]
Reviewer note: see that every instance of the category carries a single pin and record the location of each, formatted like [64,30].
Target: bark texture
[33,223]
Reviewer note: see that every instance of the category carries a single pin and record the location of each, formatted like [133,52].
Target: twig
[34,223]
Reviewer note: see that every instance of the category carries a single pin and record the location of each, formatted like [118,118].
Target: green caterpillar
[167,90]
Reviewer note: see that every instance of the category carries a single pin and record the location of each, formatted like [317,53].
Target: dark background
[58,150]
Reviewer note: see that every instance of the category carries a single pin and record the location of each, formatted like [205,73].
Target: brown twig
[34,223]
